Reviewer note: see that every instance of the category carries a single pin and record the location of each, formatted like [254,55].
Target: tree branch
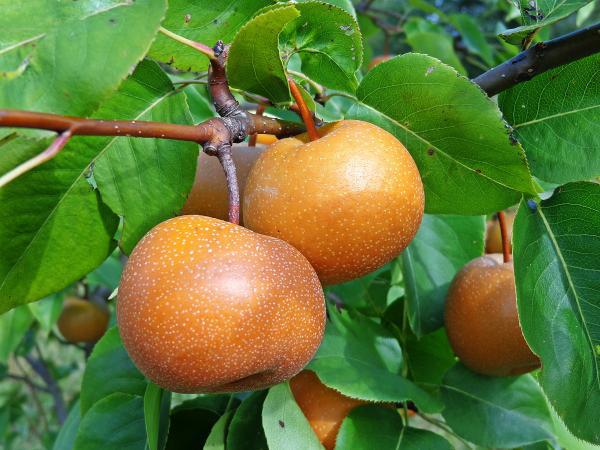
[39,366]
[541,57]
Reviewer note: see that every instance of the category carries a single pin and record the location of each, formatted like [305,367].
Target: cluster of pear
[481,315]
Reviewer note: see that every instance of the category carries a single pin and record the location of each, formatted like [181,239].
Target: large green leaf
[114,423]
[65,440]
[441,247]
[284,423]
[495,412]
[145,180]
[454,132]
[54,227]
[329,44]
[254,63]
[13,326]
[204,21]
[67,56]
[374,427]
[245,429]
[551,130]
[556,248]
[361,359]
[540,13]
[109,369]
[429,357]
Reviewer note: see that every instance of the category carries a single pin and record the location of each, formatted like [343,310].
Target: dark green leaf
[200,105]
[109,369]
[191,421]
[66,57]
[218,434]
[108,274]
[284,423]
[473,36]
[204,21]
[551,130]
[254,63]
[452,129]
[157,404]
[442,246]
[245,430]
[68,431]
[329,43]
[375,427]
[361,359]
[114,423]
[556,248]
[540,13]
[495,411]
[13,326]
[430,357]
[146,180]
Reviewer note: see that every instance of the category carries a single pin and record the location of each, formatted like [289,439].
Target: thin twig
[259,112]
[27,381]
[204,49]
[305,113]
[504,235]
[57,145]
[34,395]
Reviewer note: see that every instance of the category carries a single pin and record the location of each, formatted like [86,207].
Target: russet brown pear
[482,321]
[209,195]
[378,60]
[208,306]
[82,320]
[324,407]
[350,201]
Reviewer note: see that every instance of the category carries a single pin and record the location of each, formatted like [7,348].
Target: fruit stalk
[504,235]
[304,111]
[259,112]
[224,155]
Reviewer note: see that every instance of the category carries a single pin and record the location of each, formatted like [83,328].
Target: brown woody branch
[541,57]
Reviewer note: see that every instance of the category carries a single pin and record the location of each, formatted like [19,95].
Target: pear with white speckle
[350,201]
[208,306]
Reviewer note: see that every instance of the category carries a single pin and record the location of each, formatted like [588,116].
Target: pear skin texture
[266,139]
[482,320]
[82,320]
[379,59]
[209,195]
[324,407]
[208,306]
[493,237]
[350,201]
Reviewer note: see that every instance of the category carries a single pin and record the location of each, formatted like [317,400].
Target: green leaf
[556,248]
[551,130]
[495,412]
[108,274]
[245,430]
[442,246]
[218,433]
[361,359]
[114,423]
[146,180]
[374,427]
[66,57]
[254,63]
[473,37]
[65,440]
[284,423]
[329,44]
[199,102]
[201,21]
[540,13]
[157,403]
[48,216]
[430,357]
[191,421]
[13,326]
[454,132]
[47,310]
[438,44]
[109,369]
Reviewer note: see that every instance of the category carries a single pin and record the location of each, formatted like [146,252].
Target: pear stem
[504,235]
[304,111]
[259,112]
[204,49]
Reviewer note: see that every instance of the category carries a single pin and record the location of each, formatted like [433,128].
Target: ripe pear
[82,320]
[482,320]
[350,201]
[324,407]
[379,59]
[209,195]
[493,237]
[208,306]
[266,139]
